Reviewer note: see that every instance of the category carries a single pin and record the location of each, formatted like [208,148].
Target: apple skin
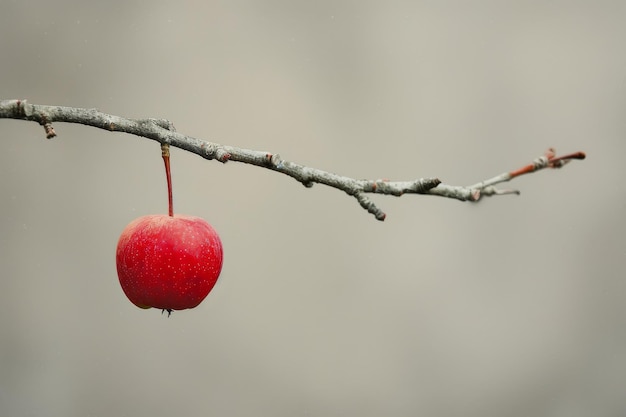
[168,262]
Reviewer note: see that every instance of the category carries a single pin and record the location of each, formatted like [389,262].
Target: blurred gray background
[512,307]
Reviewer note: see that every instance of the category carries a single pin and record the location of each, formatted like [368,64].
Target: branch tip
[491,191]
[548,160]
[560,161]
[50,133]
[368,204]
[47,126]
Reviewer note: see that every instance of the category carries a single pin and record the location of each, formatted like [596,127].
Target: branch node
[19,108]
[25,108]
[222,156]
[164,123]
[273,160]
[541,162]
[425,184]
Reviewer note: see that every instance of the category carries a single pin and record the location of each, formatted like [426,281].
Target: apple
[168,262]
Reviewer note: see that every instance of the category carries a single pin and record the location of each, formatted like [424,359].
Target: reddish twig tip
[549,160]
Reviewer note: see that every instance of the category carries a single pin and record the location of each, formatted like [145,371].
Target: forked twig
[487,188]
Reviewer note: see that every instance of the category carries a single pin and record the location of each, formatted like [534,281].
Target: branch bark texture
[163,131]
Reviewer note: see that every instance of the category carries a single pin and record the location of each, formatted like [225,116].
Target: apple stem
[165,153]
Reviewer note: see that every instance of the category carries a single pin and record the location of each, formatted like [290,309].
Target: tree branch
[163,132]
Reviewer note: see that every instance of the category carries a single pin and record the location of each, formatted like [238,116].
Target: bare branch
[163,131]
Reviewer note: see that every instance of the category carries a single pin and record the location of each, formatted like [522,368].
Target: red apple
[168,262]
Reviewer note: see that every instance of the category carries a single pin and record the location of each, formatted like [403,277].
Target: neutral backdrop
[510,307]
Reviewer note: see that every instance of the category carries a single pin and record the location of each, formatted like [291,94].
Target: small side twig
[163,132]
